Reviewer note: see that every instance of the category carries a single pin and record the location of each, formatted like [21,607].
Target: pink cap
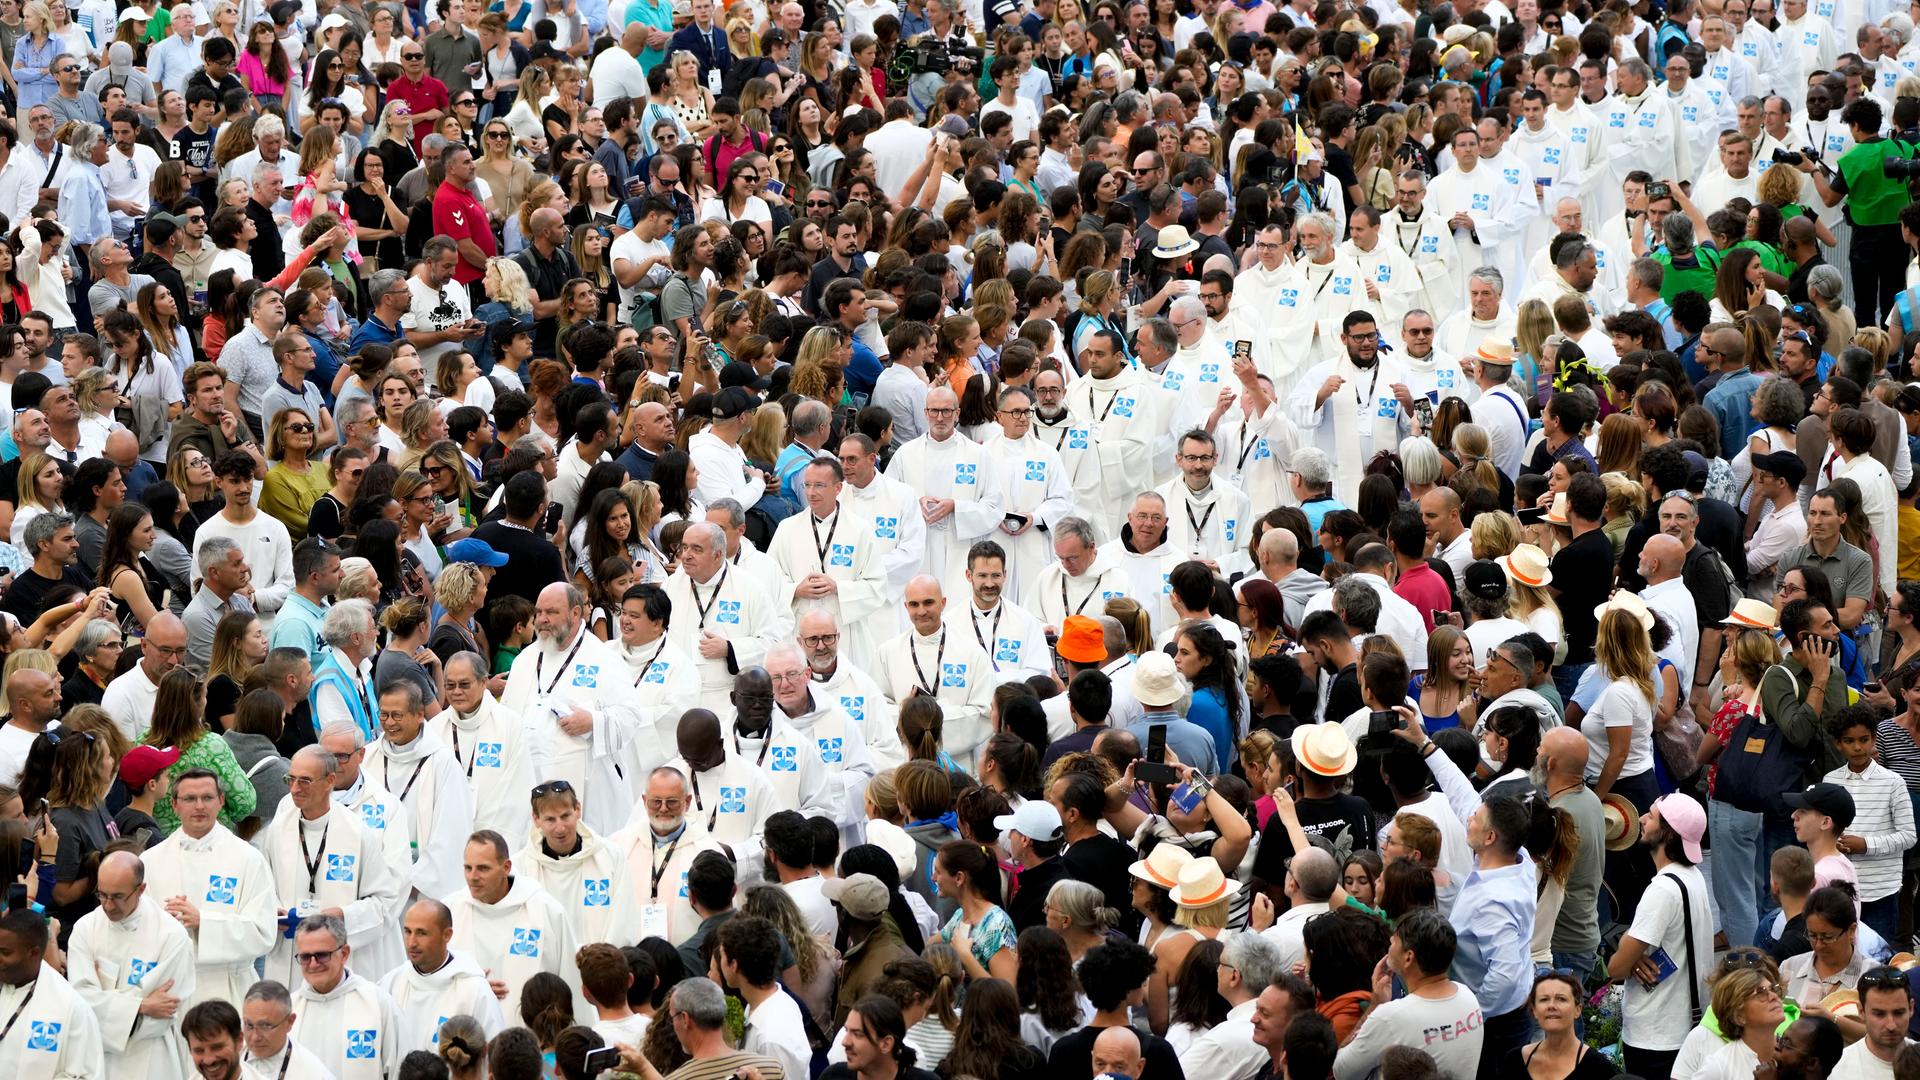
[1686,817]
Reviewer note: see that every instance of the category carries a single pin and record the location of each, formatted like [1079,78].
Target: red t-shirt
[459,216]
[1418,586]
[423,96]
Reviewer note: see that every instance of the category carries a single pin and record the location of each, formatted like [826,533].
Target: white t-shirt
[1026,122]
[631,246]
[1449,1029]
[756,211]
[1621,704]
[130,176]
[14,744]
[1659,1018]
[1858,1063]
[814,907]
[436,310]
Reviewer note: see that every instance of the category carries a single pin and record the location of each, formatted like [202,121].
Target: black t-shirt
[1340,167]
[547,277]
[1720,530]
[535,561]
[80,689]
[1583,572]
[1073,1056]
[1708,584]
[1102,861]
[196,149]
[328,518]
[1345,821]
[26,597]
[1343,697]
[269,258]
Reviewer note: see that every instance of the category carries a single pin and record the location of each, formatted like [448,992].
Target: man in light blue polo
[316,573]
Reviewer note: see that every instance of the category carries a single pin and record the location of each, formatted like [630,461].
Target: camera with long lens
[1907,168]
[1787,157]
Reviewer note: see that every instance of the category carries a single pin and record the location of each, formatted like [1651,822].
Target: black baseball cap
[1485,579]
[732,402]
[1784,464]
[740,373]
[1830,799]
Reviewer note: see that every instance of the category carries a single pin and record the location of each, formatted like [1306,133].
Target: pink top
[254,74]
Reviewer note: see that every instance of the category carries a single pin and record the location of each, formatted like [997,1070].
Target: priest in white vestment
[419,770]
[664,679]
[857,693]
[508,924]
[1640,131]
[488,743]
[838,740]
[659,850]
[1702,108]
[1316,291]
[1082,578]
[1014,639]
[1548,151]
[217,886]
[381,814]
[576,866]
[1200,367]
[270,1052]
[133,963]
[1420,231]
[1255,438]
[1432,375]
[437,982]
[1112,427]
[1392,281]
[831,562]
[54,1035]
[732,796]
[1808,42]
[757,732]
[950,667]
[888,510]
[1145,557]
[721,618]
[1479,207]
[1575,119]
[1206,521]
[341,1015]
[1486,317]
[1760,48]
[573,688]
[325,861]
[959,497]
[1355,406]
[1038,493]
[1498,153]
[1725,65]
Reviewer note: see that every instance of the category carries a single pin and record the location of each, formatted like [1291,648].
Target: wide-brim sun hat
[1622,821]
[1203,884]
[1162,865]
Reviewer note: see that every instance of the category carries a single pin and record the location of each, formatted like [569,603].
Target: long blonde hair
[1623,648]
[1524,599]
[1533,322]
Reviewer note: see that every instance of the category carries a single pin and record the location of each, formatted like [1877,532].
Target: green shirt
[1697,277]
[1872,197]
[1770,258]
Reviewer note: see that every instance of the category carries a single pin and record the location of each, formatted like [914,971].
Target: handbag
[1758,765]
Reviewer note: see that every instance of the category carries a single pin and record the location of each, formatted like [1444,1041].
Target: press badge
[653,921]
[714,82]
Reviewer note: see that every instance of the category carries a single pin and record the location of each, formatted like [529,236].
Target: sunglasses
[413,56]
[300,429]
[551,787]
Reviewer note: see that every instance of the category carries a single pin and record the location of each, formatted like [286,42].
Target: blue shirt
[298,627]
[793,461]
[30,70]
[1493,927]
[371,332]
[1731,402]
[83,205]
[1191,742]
[1209,713]
[863,370]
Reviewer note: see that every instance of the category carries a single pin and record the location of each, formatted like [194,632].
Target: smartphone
[635,186]
[775,187]
[1532,515]
[1157,744]
[1018,520]
[1440,615]
[1148,772]
[605,1059]
[1382,722]
[1242,350]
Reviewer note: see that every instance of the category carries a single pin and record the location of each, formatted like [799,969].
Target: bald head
[118,884]
[35,697]
[1564,750]
[545,218]
[165,645]
[1113,636]
[1661,560]
[1314,874]
[432,913]
[926,603]
[1729,344]
[1116,1050]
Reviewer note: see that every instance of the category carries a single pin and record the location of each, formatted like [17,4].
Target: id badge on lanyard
[653,921]
[715,79]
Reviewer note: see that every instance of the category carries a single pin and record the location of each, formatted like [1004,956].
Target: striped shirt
[1883,817]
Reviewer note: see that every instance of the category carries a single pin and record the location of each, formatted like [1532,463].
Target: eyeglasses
[1830,938]
[1017,414]
[312,959]
[499,135]
[665,804]
[820,641]
[260,1027]
[299,782]
[413,56]
[336,66]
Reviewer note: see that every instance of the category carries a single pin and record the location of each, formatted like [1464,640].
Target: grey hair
[1419,460]
[736,514]
[1648,272]
[472,659]
[1678,231]
[263,169]
[1491,276]
[345,619]
[1184,306]
[434,142]
[1751,101]
[1322,220]
[260,296]
[1164,336]
[357,410]
[213,552]
[383,282]
[1637,68]
[84,138]
[268,126]
[1826,281]
[1312,465]
[1358,604]
[785,648]
[93,634]
[332,925]
[811,417]
[1256,958]
[270,990]
[1570,254]
[438,246]
[1082,905]
[1130,103]
[349,730]
[1075,527]
[701,1001]
[714,534]
[315,752]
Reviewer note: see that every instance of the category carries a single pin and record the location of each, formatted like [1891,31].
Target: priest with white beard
[338,1013]
[887,508]
[1317,290]
[1640,131]
[1080,580]
[760,735]
[217,886]
[575,865]
[1392,281]
[420,771]
[1354,406]
[271,1053]
[1478,205]
[1034,480]
[54,1035]
[1112,424]
[664,678]
[659,850]
[133,964]
[950,667]
[508,925]
[959,497]
[731,795]
[488,743]
[325,862]
[573,689]
[1198,369]
[436,982]
[1431,374]
[832,562]
[841,745]
[726,622]
[1206,521]
[858,693]
[1548,151]
[1014,639]
[1487,315]
[1415,227]
[382,814]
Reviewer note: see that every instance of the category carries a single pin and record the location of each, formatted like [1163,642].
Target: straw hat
[1557,513]
[1527,564]
[1622,600]
[1495,351]
[1623,821]
[1842,1003]
[1324,749]
[1202,884]
[1752,614]
[1162,865]
[1174,242]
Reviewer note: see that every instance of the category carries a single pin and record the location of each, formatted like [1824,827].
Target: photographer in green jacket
[1874,193]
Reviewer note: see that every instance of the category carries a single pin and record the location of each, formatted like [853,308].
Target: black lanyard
[1084,599]
[712,600]
[766,744]
[456,750]
[313,864]
[693,781]
[387,775]
[1200,527]
[1246,447]
[1102,418]
[913,653]
[650,661]
[818,546]
[32,988]
[1066,426]
[540,663]
[661,861]
[973,616]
